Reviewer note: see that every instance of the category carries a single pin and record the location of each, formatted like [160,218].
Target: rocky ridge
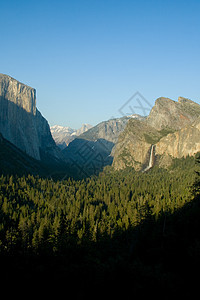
[91,151]
[64,135]
[172,127]
[20,121]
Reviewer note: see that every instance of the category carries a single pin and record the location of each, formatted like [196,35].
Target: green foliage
[165,131]
[123,231]
[45,215]
[151,138]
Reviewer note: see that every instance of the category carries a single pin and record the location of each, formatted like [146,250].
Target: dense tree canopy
[38,214]
[143,227]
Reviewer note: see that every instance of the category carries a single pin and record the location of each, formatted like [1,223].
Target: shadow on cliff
[19,127]
[87,157]
[26,144]
[159,258]
[27,147]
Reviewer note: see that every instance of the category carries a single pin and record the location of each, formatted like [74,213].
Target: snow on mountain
[64,135]
[56,129]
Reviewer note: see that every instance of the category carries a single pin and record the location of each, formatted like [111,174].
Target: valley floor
[119,234]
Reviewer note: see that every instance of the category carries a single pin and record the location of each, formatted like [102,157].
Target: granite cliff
[181,143]
[173,115]
[20,121]
[172,127]
[172,130]
[91,151]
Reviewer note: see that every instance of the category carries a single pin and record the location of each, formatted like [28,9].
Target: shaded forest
[120,232]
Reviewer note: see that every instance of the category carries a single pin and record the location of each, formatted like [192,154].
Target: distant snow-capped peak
[61,129]
[63,135]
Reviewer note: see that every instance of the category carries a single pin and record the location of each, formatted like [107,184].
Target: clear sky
[86,58]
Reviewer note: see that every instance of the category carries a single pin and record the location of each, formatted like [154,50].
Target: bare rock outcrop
[174,115]
[172,127]
[20,121]
[181,143]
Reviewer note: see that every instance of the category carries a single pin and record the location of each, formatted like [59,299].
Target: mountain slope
[174,115]
[109,130]
[172,127]
[181,143]
[134,144]
[91,151]
[20,121]
[64,135]
[15,161]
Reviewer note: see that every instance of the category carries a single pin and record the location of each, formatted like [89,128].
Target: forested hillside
[121,224]
[39,214]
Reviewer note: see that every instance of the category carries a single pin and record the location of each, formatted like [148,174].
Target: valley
[114,201]
[100,149]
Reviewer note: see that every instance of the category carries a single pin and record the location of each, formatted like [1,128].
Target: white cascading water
[150,165]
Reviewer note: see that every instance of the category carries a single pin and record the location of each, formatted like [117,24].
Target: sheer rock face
[20,121]
[182,142]
[170,114]
[134,144]
[20,94]
[173,127]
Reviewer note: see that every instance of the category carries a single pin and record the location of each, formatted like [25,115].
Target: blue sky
[87,58]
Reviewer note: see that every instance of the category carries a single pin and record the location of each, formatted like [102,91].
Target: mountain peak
[172,114]
[186,100]
[172,127]
[20,94]
[64,135]
[164,100]
[20,121]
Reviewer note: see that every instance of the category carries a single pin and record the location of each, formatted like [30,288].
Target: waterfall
[150,165]
[151,157]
